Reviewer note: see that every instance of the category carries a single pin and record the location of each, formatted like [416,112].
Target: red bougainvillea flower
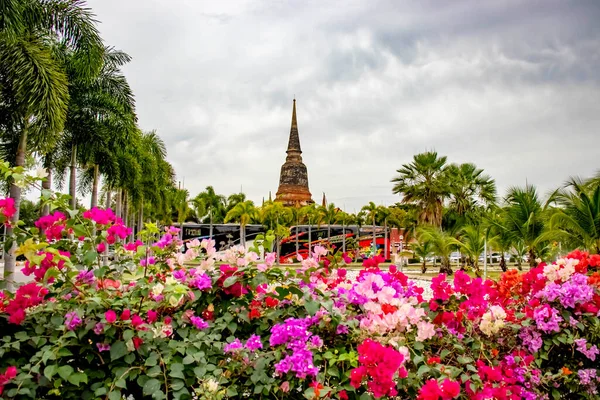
[378,364]
[271,302]
[28,295]
[52,225]
[137,342]
[7,208]
[433,360]
[7,376]
[237,289]
[125,315]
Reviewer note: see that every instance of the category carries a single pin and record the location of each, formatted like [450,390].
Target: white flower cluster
[493,320]
[561,270]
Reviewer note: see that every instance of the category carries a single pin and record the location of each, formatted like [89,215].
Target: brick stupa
[293,181]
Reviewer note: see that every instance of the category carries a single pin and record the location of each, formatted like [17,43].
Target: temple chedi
[293,181]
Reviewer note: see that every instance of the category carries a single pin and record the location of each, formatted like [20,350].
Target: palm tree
[34,89]
[441,243]
[423,250]
[525,220]
[181,203]
[424,183]
[235,199]
[469,188]
[383,214]
[309,213]
[577,218]
[359,220]
[371,210]
[473,244]
[328,215]
[214,204]
[296,217]
[243,212]
[101,118]
[344,219]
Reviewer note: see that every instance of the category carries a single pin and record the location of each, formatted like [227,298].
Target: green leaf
[65,371]
[114,395]
[50,370]
[177,384]
[90,257]
[151,386]
[177,371]
[118,350]
[312,307]
[464,360]
[230,281]
[77,378]
[101,391]
[423,369]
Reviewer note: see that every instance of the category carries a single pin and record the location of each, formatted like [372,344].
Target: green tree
[469,188]
[214,204]
[473,244]
[34,88]
[101,117]
[525,220]
[577,219]
[328,216]
[310,214]
[244,213]
[423,250]
[442,244]
[345,220]
[424,183]
[371,211]
[384,214]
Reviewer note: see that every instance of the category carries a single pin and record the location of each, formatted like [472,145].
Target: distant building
[293,181]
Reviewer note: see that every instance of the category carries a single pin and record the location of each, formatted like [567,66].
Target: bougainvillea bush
[164,320]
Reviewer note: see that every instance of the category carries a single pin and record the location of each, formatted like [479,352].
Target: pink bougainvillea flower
[152,316]
[137,321]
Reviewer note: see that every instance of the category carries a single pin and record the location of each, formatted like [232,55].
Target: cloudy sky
[513,86]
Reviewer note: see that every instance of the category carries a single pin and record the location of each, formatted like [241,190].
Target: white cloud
[512,86]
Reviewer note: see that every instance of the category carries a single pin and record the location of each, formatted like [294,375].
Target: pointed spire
[324,200]
[270,196]
[294,142]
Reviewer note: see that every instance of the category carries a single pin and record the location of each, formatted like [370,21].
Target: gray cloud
[512,86]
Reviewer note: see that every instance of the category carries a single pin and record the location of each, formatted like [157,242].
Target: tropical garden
[164,319]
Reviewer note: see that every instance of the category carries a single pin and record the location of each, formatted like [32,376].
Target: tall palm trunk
[343,238]
[374,240]
[119,203]
[243,234]
[532,262]
[502,263]
[94,202]
[445,267]
[309,238]
[357,244]
[15,193]
[210,229]
[47,185]
[297,243]
[125,206]
[73,177]
[141,220]
[385,240]
[108,198]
